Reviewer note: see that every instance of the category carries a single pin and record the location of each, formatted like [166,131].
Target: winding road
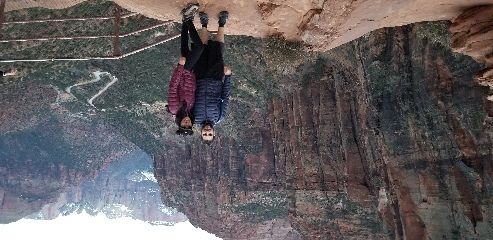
[97,78]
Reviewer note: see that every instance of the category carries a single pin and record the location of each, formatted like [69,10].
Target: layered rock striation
[126,188]
[323,25]
[384,137]
[387,138]
[46,148]
[233,190]
[473,36]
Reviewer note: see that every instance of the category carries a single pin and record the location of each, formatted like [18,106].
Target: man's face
[207,133]
[186,122]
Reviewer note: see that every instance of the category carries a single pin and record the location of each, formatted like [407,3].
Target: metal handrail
[83,37]
[68,19]
[93,58]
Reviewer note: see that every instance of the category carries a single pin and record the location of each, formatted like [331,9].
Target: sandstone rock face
[388,143]
[392,133]
[320,24]
[472,31]
[126,188]
[45,150]
[53,163]
[384,137]
[233,193]
[473,36]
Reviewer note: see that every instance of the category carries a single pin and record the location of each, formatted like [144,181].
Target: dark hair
[184,131]
[182,112]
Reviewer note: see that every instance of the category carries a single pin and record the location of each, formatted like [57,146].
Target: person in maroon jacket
[181,92]
[181,97]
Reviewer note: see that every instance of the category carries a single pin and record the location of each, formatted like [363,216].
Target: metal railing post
[2,9]
[116,54]
[117,30]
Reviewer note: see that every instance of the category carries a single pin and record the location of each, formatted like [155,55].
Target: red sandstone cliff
[55,161]
[384,137]
[46,150]
[126,188]
[321,24]
[391,139]
[473,36]
[230,192]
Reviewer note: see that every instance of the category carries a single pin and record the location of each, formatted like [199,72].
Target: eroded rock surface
[320,24]
[126,188]
[229,191]
[473,36]
[384,137]
[390,143]
[52,161]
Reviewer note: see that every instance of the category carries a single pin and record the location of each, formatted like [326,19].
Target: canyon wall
[55,160]
[126,188]
[323,25]
[385,137]
[45,150]
[473,36]
[389,134]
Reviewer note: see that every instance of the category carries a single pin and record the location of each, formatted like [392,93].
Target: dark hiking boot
[223,16]
[204,19]
[189,12]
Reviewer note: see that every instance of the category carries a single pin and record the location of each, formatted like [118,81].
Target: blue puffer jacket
[211,100]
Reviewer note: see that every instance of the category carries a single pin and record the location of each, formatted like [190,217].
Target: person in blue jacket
[213,81]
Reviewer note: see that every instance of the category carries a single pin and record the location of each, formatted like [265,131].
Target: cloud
[84,226]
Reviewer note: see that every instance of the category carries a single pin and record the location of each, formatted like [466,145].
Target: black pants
[197,46]
[211,63]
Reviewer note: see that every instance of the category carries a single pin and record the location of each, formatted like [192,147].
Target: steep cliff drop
[126,188]
[378,138]
[384,137]
[392,131]
[473,36]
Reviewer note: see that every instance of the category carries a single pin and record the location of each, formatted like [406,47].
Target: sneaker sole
[191,10]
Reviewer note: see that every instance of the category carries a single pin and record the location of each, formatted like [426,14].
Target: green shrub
[284,56]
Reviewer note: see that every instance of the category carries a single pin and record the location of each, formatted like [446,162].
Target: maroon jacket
[181,88]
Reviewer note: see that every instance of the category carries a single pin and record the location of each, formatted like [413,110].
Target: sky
[84,226]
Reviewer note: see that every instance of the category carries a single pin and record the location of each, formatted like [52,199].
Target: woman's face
[186,122]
